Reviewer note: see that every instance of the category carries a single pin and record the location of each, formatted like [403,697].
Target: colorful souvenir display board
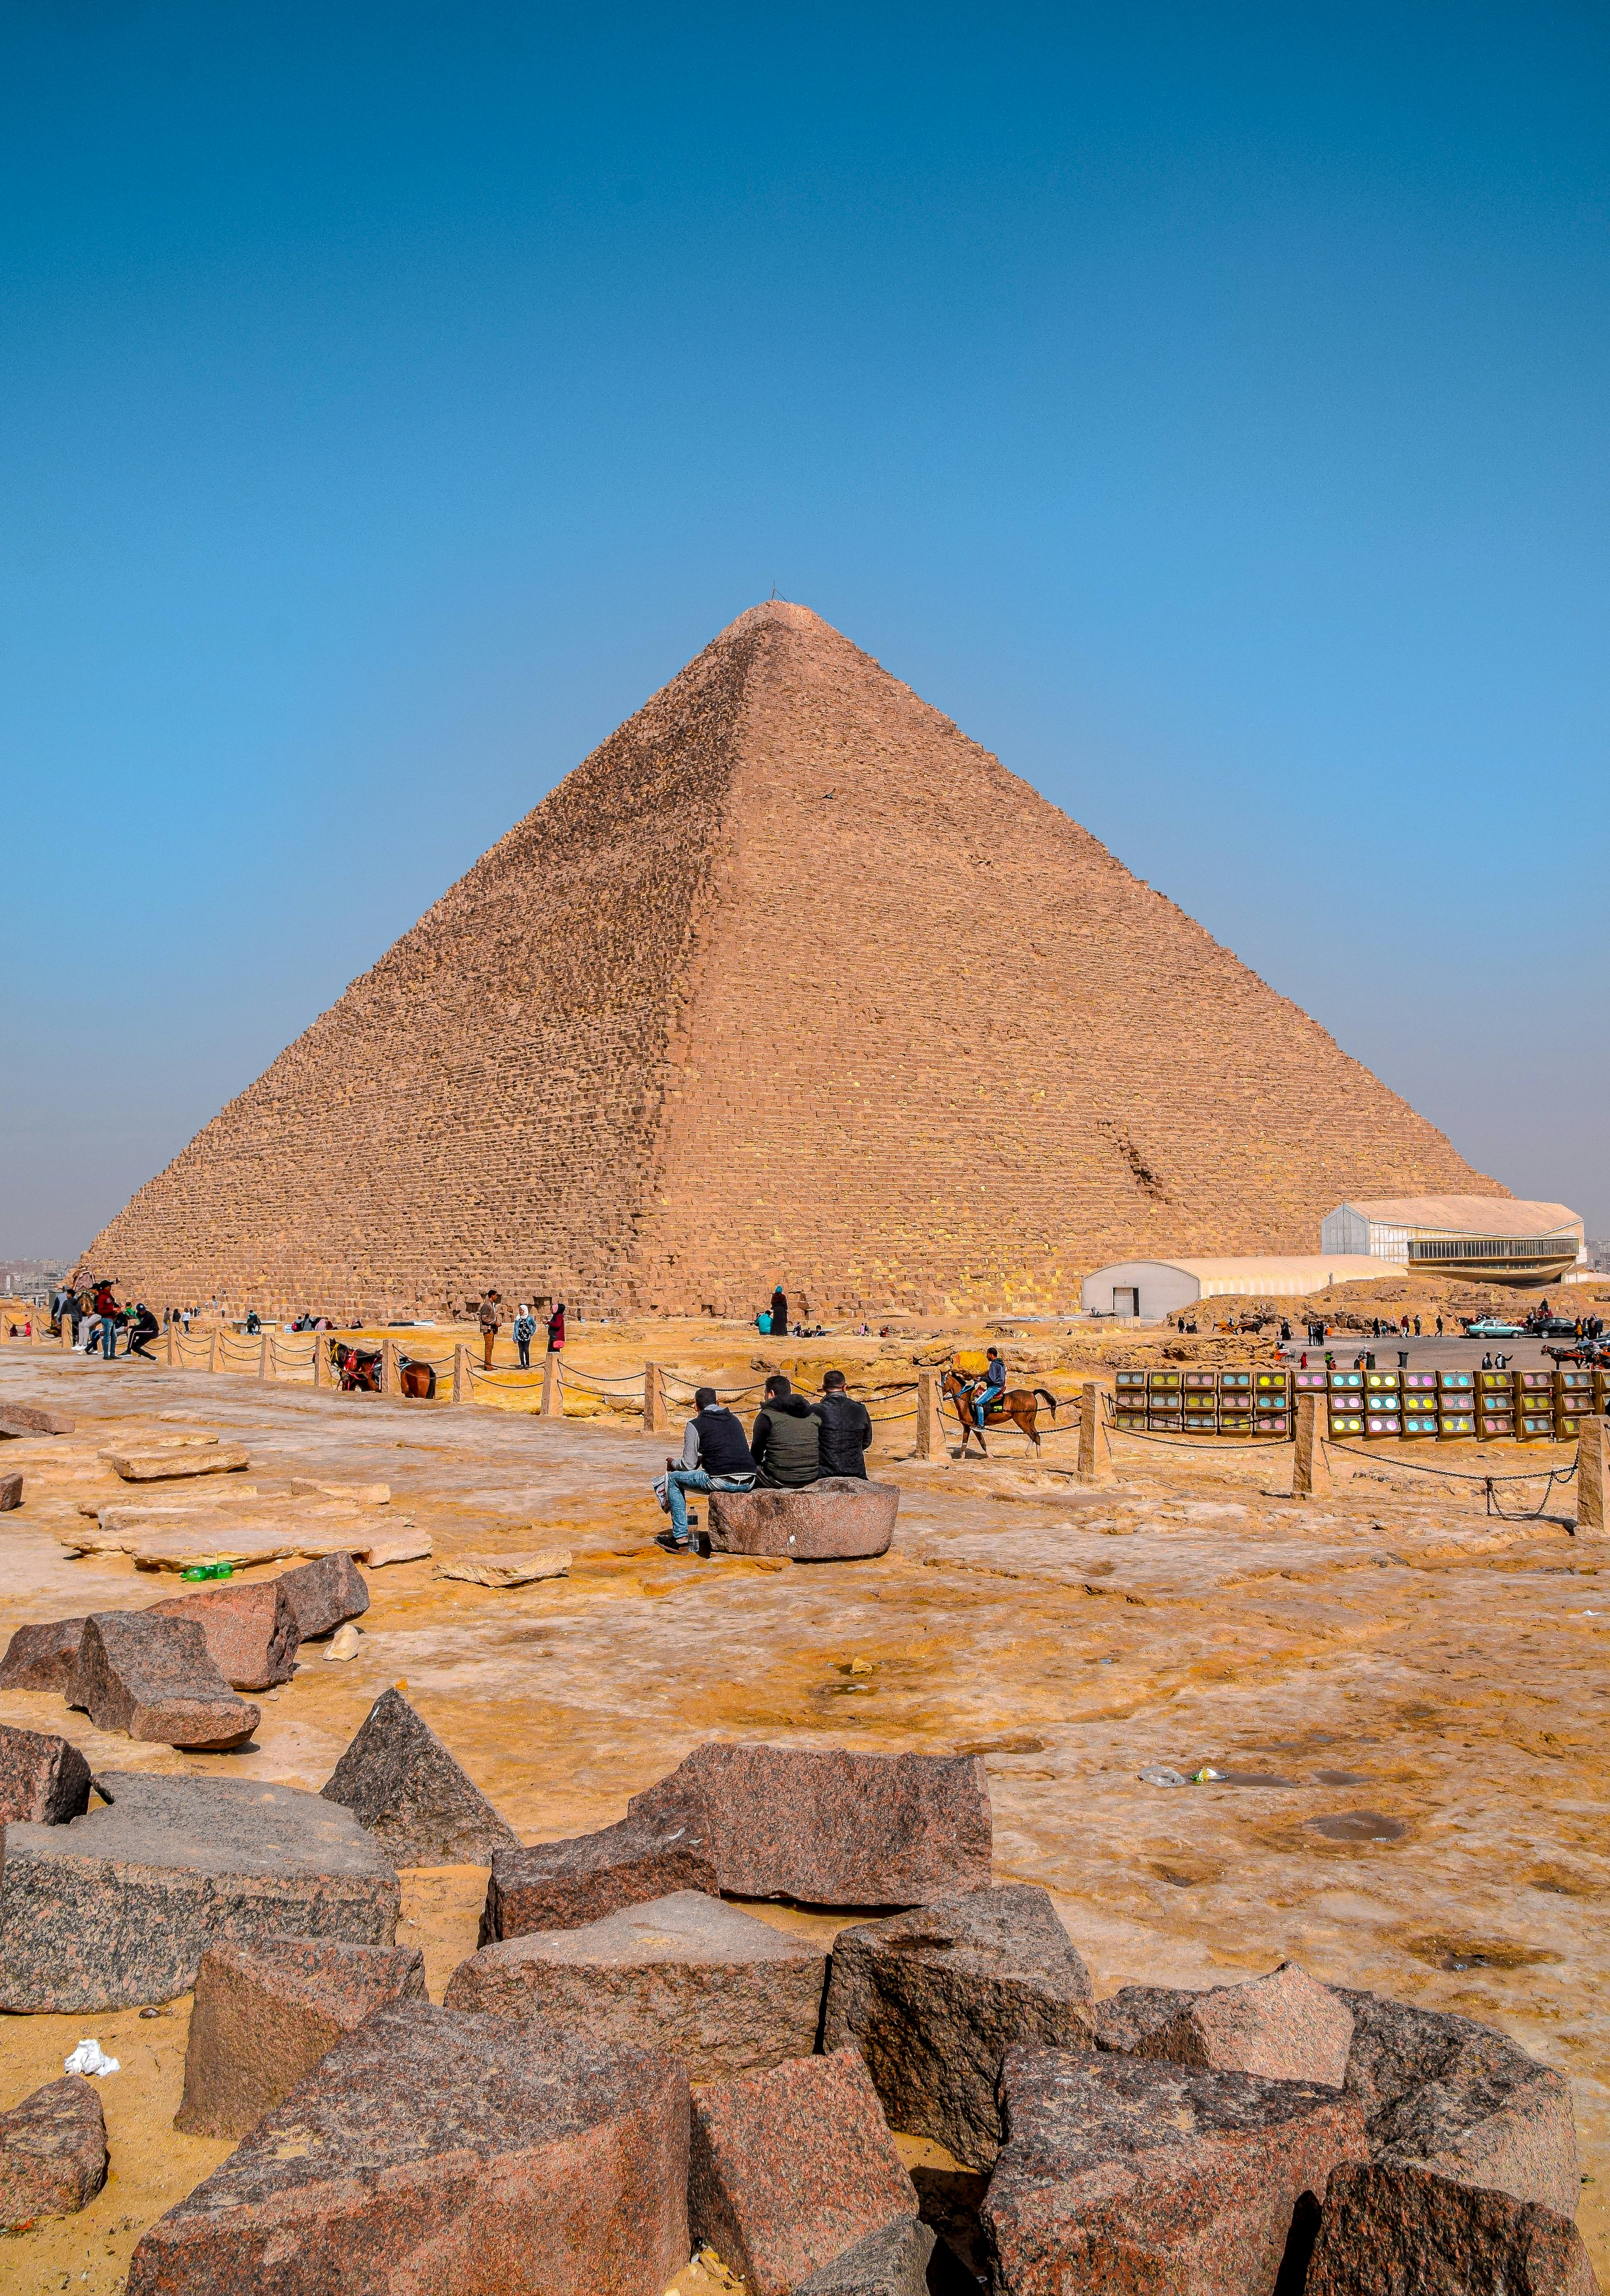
[1530,1406]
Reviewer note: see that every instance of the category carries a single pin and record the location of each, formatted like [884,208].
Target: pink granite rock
[152,1677]
[791,2168]
[324,1594]
[44,1656]
[44,1779]
[32,1419]
[1283,2027]
[266,2014]
[444,2156]
[1419,2235]
[1124,2174]
[250,1629]
[52,2153]
[841,1519]
[834,1828]
[10,1493]
[405,1789]
[560,1885]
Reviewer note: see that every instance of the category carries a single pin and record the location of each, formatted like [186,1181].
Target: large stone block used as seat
[52,2153]
[1419,2235]
[685,1973]
[266,2014]
[1127,2173]
[1454,2097]
[154,1678]
[933,1999]
[834,1828]
[791,2168]
[558,1885]
[42,1657]
[406,1790]
[838,1519]
[44,1779]
[324,1594]
[116,1909]
[444,2155]
[250,1630]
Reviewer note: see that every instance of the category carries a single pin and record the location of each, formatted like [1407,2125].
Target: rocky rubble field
[821,1917]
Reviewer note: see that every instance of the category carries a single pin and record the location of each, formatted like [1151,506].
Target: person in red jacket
[557,1328]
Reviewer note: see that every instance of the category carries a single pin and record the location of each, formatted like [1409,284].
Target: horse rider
[988,1393]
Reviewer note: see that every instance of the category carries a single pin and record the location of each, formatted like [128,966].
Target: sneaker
[671,1543]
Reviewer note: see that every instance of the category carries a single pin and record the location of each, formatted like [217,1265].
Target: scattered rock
[835,1828]
[1130,2016]
[116,1909]
[933,1999]
[324,1594]
[507,1569]
[53,2153]
[166,1466]
[250,1630]
[433,2151]
[1419,2234]
[396,1546]
[1122,2172]
[558,1885]
[791,2168]
[1444,2094]
[685,1973]
[891,2262]
[266,2014]
[407,1792]
[44,1656]
[152,1677]
[838,1519]
[1283,2027]
[44,1779]
[30,1419]
[10,1493]
[344,1642]
[361,1494]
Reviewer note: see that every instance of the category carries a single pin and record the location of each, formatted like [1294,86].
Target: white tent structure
[1155,1288]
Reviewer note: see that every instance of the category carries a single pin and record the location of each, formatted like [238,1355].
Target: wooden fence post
[216,1350]
[262,1356]
[1095,1432]
[1592,1472]
[462,1392]
[552,1398]
[67,1332]
[388,1367]
[173,1346]
[929,1417]
[655,1418]
[1311,1469]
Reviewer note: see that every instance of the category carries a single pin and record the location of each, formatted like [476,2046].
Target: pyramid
[788,979]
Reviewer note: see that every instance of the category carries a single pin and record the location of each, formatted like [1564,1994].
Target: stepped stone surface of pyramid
[788,978]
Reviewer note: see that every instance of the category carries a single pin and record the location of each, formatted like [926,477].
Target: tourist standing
[491,1323]
[556,1329]
[524,1329]
[779,1314]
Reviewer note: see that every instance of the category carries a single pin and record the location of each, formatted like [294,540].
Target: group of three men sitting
[793,1443]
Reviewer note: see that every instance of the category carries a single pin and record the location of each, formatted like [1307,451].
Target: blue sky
[1208,411]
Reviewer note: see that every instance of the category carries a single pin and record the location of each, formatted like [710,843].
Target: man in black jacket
[787,1438]
[846,1429]
[715,1457]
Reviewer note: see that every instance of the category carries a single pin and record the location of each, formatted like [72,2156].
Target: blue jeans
[682,1480]
[982,1400]
[109,1339]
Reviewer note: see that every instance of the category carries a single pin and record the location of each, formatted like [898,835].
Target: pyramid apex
[779,609]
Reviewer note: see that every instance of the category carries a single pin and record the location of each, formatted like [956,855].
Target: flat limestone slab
[265,2014]
[834,1828]
[167,1466]
[116,1909]
[841,1518]
[444,2155]
[684,1972]
[507,1569]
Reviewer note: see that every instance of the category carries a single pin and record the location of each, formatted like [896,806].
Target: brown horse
[359,1369]
[417,1379]
[1017,1404]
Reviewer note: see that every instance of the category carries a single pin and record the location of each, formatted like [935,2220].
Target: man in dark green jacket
[787,1438]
